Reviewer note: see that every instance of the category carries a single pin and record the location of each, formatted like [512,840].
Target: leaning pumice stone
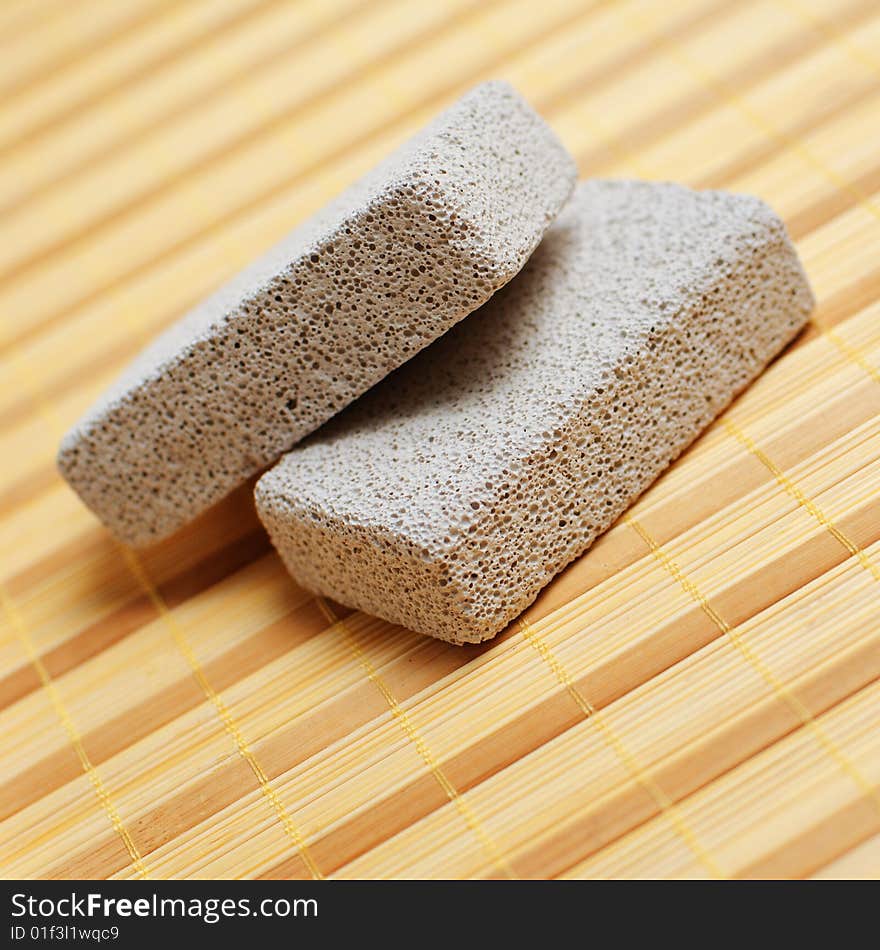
[446,498]
[386,268]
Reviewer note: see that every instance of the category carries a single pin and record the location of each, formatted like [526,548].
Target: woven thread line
[138,571]
[665,804]
[797,493]
[721,90]
[20,629]
[226,717]
[415,737]
[18,625]
[600,5]
[832,33]
[780,689]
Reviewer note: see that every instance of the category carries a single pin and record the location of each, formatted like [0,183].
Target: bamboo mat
[698,696]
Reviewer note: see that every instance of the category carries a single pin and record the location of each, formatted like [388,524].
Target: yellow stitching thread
[223,711]
[139,573]
[862,200]
[412,733]
[810,506]
[663,801]
[852,353]
[20,629]
[779,688]
[720,87]
[689,587]
[847,349]
[18,625]
[832,33]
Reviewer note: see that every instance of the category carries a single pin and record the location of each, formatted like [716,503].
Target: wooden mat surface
[698,696]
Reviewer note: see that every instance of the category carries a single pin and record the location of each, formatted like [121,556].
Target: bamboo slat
[697,696]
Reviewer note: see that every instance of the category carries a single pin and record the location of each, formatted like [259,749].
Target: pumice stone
[390,265]
[447,497]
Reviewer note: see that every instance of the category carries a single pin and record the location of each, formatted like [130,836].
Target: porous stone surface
[447,497]
[386,268]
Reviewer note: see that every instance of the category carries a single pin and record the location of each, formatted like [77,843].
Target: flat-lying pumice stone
[386,268]
[446,498]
